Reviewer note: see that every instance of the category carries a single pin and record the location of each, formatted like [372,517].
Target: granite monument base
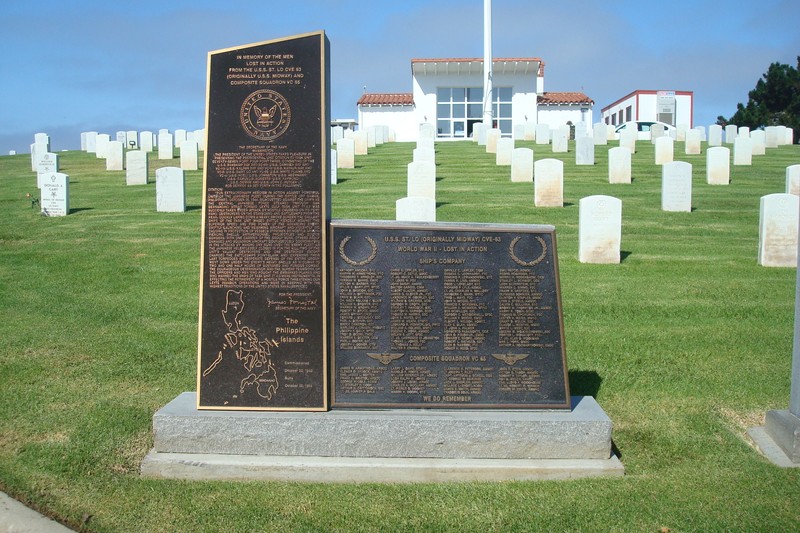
[392,446]
[779,438]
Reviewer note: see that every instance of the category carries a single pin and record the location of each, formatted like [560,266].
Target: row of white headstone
[350,143]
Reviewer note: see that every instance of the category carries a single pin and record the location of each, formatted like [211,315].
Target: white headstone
[789,136]
[781,134]
[599,229]
[424,154]
[505,146]
[101,145]
[548,183]
[584,150]
[743,150]
[416,209]
[522,165]
[427,131]
[188,151]
[427,144]
[337,132]
[115,156]
[680,132]
[759,142]
[542,133]
[42,138]
[492,136]
[370,137]
[165,146]
[715,135]
[744,131]
[627,139]
[777,230]
[334,164]
[346,149]
[731,131]
[137,168]
[180,136]
[132,140]
[122,138]
[48,164]
[619,165]
[422,179]
[146,141]
[771,136]
[478,133]
[170,190]
[519,132]
[692,142]
[665,150]
[676,186]
[361,139]
[599,134]
[718,165]
[200,137]
[657,131]
[793,180]
[54,200]
[530,131]
[560,140]
[83,141]
[91,142]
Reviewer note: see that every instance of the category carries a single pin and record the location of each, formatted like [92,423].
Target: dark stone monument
[445,315]
[263,296]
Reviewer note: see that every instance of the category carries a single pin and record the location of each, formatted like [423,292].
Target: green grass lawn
[686,343]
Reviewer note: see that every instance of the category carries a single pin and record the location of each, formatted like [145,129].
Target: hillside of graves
[686,343]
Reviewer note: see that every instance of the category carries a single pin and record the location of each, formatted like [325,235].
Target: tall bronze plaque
[443,315]
[262,338]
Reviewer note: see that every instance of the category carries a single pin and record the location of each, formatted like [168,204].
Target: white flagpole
[487,63]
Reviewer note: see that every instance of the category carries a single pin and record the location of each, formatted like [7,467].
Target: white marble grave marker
[54,200]
[505,146]
[361,139]
[146,141]
[676,186]
[424,154]
[137,168]
[48,164]
[599,134]
[664,150]
[599,229]
[759,139]
[91,142]
[718,165]
[715,135]
[492,136]
[619,165]
[416,209]
[422,179]
[692,146]
[115,156]
[170,190]
[478,133]
[542,133]
[522,165]
[793,180]
[731,131]
[548,183]
[334,165]
[743,150]
[584,150]
[627,139]
[165,146]
[101,145]
[560,140]
[427,131]
[777,230]
[188,152]
[346,149]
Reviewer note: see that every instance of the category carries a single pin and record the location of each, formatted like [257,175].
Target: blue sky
[72,66]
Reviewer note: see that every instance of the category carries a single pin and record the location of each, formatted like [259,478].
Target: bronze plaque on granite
[435,315]
[263,291]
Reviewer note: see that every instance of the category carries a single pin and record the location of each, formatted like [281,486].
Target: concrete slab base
[394,445]
[779,438]
[370,469]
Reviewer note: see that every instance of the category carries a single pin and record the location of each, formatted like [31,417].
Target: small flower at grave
[33,200]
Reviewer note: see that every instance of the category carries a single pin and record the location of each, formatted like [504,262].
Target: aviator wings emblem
[510,358]
[385,358]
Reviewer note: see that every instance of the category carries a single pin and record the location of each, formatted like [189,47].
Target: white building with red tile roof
[448,93]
